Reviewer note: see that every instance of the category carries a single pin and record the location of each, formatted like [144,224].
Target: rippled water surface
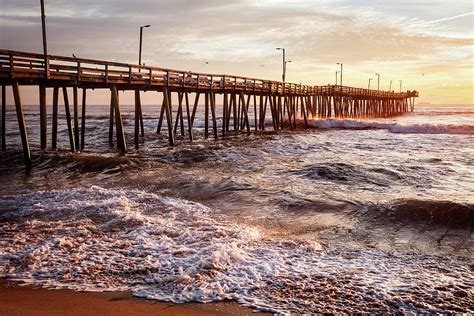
[350,215]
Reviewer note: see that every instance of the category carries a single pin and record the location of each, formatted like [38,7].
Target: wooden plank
[54,132]
[121,142]
[68,120]
[21,122]
[83,118]
[43,117]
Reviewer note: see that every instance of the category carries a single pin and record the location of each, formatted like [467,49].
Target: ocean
[363,215]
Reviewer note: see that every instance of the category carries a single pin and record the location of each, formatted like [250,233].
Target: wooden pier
[246,102]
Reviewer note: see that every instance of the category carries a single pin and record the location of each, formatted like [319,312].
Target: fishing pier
[246,102]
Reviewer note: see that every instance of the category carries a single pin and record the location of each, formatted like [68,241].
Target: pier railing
[97,73]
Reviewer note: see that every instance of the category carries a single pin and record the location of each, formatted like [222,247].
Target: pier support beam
[21,122]
[111,121]
[138,115]
[121,143]
[54,132]
[4,112]
[169,118]
[43,117]
[76,117]
[83,118]
[68,120]
[190,125]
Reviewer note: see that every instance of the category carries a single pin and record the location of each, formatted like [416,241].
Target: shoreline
[16,299]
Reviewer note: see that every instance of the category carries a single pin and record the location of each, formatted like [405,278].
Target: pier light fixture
[378,81]
[284,63]
[390,88]
[370,79]
[400,85]
[141,41]
[340,81]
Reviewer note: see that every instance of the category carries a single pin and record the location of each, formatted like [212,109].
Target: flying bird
[74,55]
[262,65]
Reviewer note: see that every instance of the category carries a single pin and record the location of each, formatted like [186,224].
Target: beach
[20,300]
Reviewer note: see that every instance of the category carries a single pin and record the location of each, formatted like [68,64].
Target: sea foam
[170,249]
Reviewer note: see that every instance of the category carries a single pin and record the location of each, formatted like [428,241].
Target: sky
[429,45]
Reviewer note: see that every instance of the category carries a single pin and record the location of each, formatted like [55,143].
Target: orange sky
[427,44]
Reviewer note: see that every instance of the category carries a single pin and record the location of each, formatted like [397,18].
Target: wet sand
[25,300]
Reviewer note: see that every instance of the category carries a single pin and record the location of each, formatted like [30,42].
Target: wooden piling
[76,117]
[43,117]
[169,116]
[111,121]
[4,113]
[21,122]
[137,118]
[68,120]
[121,142]
[54,132]
[83,118]
[190,125]
[212,98]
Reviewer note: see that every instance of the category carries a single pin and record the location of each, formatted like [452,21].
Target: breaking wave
[175,250]
[395,127]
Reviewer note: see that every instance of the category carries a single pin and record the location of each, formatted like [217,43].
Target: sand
[26,300]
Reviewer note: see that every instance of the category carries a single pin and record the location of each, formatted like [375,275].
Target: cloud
[389,36]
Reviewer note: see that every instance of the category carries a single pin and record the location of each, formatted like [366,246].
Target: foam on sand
[175,250]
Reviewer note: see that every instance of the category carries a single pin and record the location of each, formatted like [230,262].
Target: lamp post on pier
[378,82]
[284,63]
[368,87]
[45,45]
[400,85]
[337,71]
[141,41]
[390,89]
[340,81]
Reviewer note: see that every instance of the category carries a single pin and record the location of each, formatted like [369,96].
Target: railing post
[46,66]
[106,73]
[12,66]
[79,71]
[150,74]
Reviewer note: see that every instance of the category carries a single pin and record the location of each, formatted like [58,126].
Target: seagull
[207,63]
[74,55]
[262,65]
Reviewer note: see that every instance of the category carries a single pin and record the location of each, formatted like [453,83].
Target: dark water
[370,216]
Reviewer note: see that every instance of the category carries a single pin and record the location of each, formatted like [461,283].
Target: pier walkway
[246,102]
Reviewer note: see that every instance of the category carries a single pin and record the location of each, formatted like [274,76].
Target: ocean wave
[415,211]
[175,250]
[395,127]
